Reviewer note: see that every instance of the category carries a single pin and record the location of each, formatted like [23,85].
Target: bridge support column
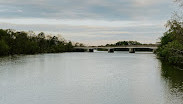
[90,50]
[154,50]
[131,50]
[111,50]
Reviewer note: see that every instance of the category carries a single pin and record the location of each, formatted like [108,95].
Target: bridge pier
[90,50]
[131,50]
[111,50]
[154,50]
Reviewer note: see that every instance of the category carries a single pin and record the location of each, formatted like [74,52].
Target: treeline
[20,42]
[171,47]
[121,43]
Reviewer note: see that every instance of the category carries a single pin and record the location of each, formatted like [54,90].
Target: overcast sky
[92,22]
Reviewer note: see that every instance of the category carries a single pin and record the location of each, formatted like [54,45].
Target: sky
[92,22]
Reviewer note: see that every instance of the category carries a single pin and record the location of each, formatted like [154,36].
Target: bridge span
[111,49]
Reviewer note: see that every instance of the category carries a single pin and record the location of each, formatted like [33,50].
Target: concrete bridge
[111,49]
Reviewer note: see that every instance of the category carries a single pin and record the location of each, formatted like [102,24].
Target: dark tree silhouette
[13,42]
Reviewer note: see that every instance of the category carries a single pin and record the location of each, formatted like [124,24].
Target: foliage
[171,47]
[13,42]
[79,45]
[122,43]
[4,48]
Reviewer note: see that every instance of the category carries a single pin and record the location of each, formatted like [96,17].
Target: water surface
[89,78]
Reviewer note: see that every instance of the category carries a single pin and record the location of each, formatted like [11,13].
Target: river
[89,78]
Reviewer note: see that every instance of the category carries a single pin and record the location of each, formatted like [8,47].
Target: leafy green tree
[12,42]
[171,47]
[122,43]
[4,48]
[69,47]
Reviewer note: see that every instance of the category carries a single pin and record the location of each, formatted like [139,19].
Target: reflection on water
[89,78]
[173,76]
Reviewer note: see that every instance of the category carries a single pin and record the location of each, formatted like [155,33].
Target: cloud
[148,2]
[84,22]
[89,20]
[93,9]
[91,34]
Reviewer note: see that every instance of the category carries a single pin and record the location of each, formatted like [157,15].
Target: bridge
[111,49]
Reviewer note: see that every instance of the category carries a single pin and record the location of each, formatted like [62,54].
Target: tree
[171,47]
[4,48]
[13,42]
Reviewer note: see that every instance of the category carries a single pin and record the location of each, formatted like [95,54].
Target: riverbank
[171,47]
[21,42]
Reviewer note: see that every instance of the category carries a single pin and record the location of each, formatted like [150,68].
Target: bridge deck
[127,46]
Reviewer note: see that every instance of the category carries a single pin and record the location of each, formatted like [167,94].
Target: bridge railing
[124,46]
